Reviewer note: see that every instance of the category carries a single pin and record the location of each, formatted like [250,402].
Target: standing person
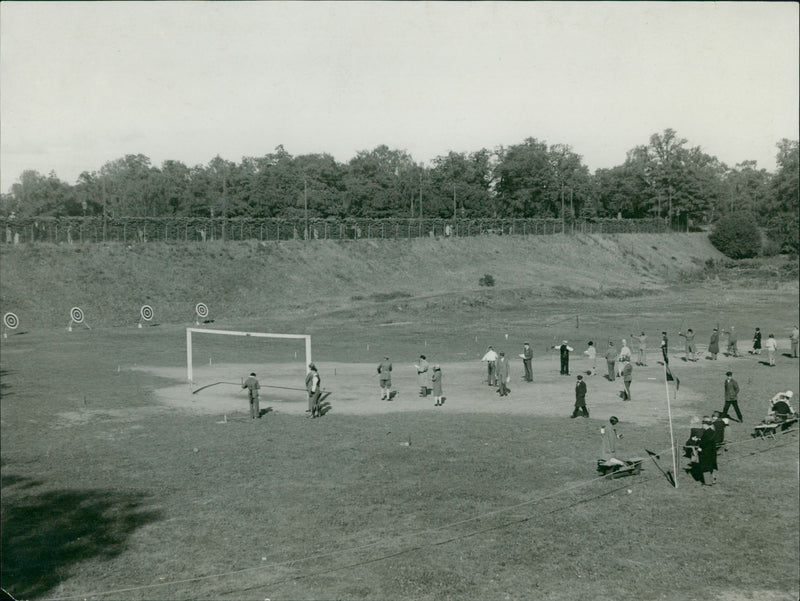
[591,352]
[252,385]
[719,423]
[563,351]
[610,435]
[627,378]
[713,344]
[385,375]
[771,345]
[624,356]
[756,342]
[731,396]
[641,344]
[611,361]
[436,379]
[422,375]
[733,340]
[580,399]
[794,337]
[665,347]
[707,463]
[491,365]
[527,358]
[503,374]
[689,348]
[314,388]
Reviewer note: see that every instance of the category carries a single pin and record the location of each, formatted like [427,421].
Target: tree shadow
[45,534]
[4,385]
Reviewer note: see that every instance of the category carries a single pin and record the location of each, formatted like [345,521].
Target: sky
[82,84]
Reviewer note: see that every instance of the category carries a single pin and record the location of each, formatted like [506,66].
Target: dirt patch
[355,391]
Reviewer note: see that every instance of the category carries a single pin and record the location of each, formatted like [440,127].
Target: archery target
[146,312]
[77,314]
[11,321]
[201,309]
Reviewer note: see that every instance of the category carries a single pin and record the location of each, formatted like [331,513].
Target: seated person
[780,408]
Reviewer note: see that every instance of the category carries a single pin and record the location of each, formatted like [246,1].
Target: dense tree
[379,183]
[784,203]
[664,177]
[461,184]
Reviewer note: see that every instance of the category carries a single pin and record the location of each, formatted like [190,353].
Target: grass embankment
[110,282]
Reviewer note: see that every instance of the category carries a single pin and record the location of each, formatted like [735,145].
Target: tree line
[663,178]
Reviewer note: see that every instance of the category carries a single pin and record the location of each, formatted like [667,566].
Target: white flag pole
[671,435]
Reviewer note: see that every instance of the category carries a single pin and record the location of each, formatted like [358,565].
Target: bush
[486,280]
[736,236]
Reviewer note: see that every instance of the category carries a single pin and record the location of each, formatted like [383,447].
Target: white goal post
[190,331]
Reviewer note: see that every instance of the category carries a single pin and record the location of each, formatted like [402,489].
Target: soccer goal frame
[190,331]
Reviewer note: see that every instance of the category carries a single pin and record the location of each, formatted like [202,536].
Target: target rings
[201,309]
[76,313]
[11,321]
[146,312]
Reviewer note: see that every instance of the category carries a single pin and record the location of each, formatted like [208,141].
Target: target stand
[200,312]
[76,318]
[10,322]
[145,314]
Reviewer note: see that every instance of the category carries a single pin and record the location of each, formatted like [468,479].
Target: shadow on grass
[44,534]
[4,386]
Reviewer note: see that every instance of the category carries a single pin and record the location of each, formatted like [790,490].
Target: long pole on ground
[671,435]
[305,203]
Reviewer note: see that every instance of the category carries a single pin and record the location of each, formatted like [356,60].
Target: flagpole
[671,435]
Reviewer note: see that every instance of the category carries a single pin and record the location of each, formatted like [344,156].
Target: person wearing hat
[756,350]
[503,374]
[665,347]
[627,378]
[385,375]
[731,396]
[314,388]
[611,361]
[527,358]
[422,375]
[580,399]
[436,380]
[713,344]
[707,455]
[252,385]
[794,337]
[610,435]
[491,365]
[780,406]
[563,352]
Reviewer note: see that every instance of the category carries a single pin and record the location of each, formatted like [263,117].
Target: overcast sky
[87,83]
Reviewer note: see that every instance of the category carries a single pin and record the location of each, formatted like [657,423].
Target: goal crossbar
[190,331]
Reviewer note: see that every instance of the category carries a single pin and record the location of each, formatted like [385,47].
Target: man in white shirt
[491,365]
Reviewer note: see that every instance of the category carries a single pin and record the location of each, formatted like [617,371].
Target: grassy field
[118,483]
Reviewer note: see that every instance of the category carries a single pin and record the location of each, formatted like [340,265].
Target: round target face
[146,312]
[201,309]
[11,321]
[77,314]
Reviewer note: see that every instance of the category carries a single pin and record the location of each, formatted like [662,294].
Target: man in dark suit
[731,396]
[527,358]
[580,399]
